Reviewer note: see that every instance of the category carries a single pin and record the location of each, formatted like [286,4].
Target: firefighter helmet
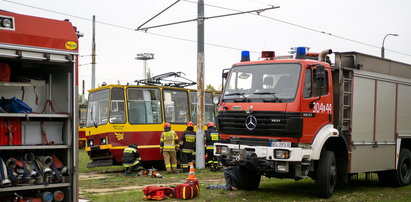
[190,123]
[210,124]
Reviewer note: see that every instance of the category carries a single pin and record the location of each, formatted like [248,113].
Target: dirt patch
[102,191]
[92,176]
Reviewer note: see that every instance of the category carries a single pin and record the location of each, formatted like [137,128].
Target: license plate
[281,144]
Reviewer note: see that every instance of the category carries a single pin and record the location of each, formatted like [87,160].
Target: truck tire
[326,174]
[402,176]
[248,178]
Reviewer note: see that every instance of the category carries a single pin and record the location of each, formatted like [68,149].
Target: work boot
[168,172]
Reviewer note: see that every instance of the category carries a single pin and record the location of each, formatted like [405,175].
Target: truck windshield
[262,83]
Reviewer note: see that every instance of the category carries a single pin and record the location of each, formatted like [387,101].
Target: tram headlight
[90,143]
[103,141]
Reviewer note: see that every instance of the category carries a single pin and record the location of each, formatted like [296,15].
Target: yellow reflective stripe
[130,150]
[173,165]
[210,147]
[130,165]
[168,147]
[148,146]
[168,165]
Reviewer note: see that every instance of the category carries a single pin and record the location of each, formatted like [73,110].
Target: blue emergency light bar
[300,52]
[245,56]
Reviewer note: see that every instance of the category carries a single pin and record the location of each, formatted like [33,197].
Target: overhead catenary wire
[212,44]
[302,27]
[127,28]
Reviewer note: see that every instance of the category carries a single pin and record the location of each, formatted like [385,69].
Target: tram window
[193,101]
[97,113]
[144,106]
[117,112]
[176,106]
[209,107]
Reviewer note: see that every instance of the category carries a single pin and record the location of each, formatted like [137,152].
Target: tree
[149,74]
[210,87]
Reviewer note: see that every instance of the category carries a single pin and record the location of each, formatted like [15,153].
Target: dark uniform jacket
[188,141]
[211,137]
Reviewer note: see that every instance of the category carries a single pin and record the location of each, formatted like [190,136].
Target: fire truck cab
[302,116]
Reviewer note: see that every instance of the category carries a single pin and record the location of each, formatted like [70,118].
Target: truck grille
[269,123]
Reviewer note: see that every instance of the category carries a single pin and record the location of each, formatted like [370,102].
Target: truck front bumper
[266,159]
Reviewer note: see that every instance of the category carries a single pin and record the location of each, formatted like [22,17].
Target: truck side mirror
[320,76]
[225,74]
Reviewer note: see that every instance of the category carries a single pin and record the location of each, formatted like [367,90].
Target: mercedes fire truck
[304,116]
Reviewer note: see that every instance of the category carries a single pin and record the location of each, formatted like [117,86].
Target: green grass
[269,189]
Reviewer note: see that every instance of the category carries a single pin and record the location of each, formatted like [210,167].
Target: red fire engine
[38,148]
[301,116]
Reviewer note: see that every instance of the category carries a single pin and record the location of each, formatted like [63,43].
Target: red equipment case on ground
[187,190]
[10,127]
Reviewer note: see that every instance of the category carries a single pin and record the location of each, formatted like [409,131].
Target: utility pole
[93,56]
[200,163]
[200,67]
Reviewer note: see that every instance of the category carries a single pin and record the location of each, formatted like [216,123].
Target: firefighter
[211,138]
[187,146]
[131,158]
[169,148]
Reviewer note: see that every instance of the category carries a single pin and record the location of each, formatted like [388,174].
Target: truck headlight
[281,154]
[90,143]
[223,150]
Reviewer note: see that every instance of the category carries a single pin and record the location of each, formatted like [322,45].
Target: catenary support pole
[200,87]
[93,56]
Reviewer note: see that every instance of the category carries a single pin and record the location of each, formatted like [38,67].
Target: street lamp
[145,57]
[382,48]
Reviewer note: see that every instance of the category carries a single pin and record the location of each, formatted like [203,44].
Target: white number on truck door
[322,108]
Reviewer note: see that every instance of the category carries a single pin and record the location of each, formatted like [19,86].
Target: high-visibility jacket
[169,141]
[211,137]
[188,141]
[131,157]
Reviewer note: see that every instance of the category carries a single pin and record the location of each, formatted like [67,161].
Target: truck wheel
[248,178]
[403,173]
[326,174]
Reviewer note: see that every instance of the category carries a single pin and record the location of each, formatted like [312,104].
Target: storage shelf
[32,147]
[30,187]
[32,115]
[19,84]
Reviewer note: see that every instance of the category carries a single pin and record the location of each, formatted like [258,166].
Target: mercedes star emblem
[250,122]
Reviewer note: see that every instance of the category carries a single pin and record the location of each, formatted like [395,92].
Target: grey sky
[365,21]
